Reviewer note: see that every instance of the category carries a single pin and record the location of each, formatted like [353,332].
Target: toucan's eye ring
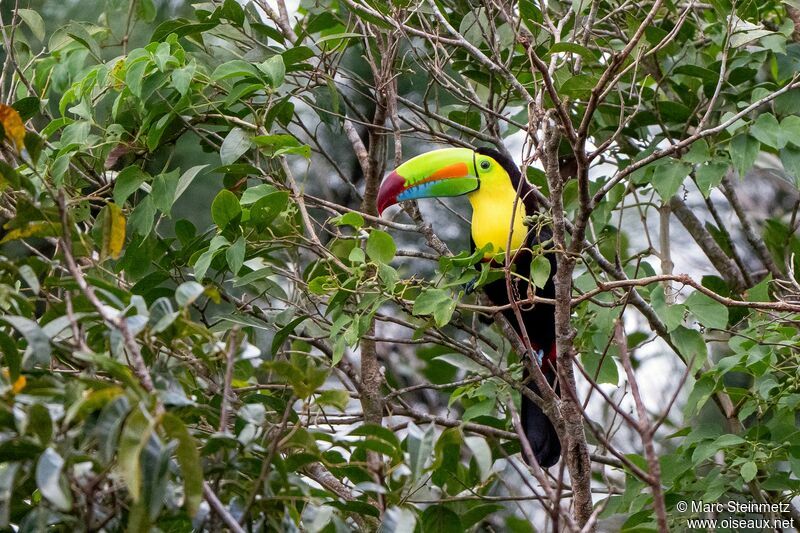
[485,165]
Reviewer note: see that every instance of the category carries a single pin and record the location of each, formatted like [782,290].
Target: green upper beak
[445,172]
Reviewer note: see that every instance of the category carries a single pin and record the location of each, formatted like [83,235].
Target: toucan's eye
[485,165]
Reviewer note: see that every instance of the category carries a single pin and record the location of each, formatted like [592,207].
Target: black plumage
[539,319]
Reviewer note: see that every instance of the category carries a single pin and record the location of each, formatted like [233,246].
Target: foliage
[191,269]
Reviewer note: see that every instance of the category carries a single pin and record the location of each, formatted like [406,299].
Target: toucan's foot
[538,356]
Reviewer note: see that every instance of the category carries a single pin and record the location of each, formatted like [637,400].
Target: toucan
[491,181]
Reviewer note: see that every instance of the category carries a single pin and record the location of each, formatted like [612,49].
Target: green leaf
[461,361]
[265,210]
[134,76]
[50,482]
[182,78]
[252,277]
[476,514]
[668,177]
[540,271]
[749,471]
[471,26]
[33,144]
[440,519]
[380,246]
[698,153]
[389,276]
[146,11]
[135,435]
[225,209]
[562,47]
[709,312]
[92,402]
[187,292]
[128,181]
[531,15]
[283,334]
[274,69]
[701,73]
[374,430]
[437,302]
[349,219]
[790,157]
[744,32]
[728,440]
[79,33]
[163,193]
[482,453]
[233,11]
[710,175]
[236,143]
[39,350]
[203,262]
[600,367]
[339,36]
[234,255]
[578,87]
[162,56]
[8,176]
[743,150]
[481,408]
[235,69]
[186,180]
[767,130]
[691,346]
[336,398]
[253,194]
[141,220]
[328,104]
[580,6]
[161,315]
[189,461]
[109,424]
[281,144]
[29,276]
[180,27]
[356,255]
[420,445]
[791,129]
[34,22]
[29,107]
[398,520]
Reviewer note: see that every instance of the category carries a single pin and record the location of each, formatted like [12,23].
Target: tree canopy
[205,324]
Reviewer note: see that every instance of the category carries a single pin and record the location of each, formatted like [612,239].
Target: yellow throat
[492,210]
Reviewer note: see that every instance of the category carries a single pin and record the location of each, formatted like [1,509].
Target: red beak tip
[392,185]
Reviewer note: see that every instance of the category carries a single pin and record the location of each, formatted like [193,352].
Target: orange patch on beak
[456,170]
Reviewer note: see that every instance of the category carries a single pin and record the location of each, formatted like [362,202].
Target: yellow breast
[492,212]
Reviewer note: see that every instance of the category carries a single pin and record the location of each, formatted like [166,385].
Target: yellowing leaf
[113,231]
[35,229]
[118,73]
[13,126]
[18,385]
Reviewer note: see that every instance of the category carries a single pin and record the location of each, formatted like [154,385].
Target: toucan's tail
[539,430]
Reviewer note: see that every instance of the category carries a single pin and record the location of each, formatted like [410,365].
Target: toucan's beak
[445,172]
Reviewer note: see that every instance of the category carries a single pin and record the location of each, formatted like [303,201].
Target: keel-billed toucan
[492,181]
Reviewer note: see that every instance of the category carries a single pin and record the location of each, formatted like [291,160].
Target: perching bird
[491,181]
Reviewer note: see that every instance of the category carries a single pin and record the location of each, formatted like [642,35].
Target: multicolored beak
[436,174]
